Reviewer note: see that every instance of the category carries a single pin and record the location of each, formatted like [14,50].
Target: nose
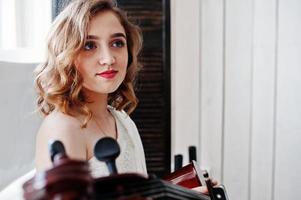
[106,57]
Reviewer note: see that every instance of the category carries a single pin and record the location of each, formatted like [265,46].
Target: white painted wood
[185,75]
[250,128]
[288,127]
[211,84]
[263,100]
[238,64]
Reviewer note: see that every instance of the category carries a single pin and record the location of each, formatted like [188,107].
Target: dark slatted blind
[152,115]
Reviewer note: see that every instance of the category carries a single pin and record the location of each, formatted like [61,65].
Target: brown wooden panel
[152,115]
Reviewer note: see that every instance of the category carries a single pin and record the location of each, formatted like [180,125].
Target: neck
[98,104]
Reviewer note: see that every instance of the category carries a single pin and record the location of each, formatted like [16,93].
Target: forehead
[105,22]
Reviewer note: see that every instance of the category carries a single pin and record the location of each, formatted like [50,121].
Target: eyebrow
[114,35]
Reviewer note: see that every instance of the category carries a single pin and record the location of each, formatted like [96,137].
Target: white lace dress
[131,158]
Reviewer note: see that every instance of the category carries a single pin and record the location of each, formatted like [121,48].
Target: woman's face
[103,60]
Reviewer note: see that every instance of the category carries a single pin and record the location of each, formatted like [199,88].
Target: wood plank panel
[152,115]
[185,75]
[288,129]
[263,100]
[211,84]
[237,106]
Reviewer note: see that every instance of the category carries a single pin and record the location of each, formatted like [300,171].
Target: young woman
[85,84]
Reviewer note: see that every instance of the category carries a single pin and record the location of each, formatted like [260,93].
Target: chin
[96,91]
[102,88]
[107,90]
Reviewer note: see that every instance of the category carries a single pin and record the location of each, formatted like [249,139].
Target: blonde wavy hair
[58,83]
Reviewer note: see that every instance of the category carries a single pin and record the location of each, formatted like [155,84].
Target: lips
[108,74]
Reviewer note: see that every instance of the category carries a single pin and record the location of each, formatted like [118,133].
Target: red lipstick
[109,74]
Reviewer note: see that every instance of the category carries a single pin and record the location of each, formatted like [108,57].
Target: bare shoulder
[67,129]
[59,124]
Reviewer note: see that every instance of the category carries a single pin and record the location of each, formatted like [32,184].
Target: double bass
[70,179]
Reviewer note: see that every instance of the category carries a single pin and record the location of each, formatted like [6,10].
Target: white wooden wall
[236,79]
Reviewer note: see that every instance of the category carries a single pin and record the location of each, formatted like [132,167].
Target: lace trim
[126,162]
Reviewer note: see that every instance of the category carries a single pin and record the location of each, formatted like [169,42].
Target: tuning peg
[107,150]
[178,162]
[192,153]
[56,147]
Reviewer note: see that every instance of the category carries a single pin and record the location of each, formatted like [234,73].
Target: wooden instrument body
[188,176]
[71,180]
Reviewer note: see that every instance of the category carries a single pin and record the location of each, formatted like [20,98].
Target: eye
[118,44]
[90,45]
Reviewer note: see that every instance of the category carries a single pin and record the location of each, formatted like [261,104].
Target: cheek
[125,59]
[122,61]
[125,65]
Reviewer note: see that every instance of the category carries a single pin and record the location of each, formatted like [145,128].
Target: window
[23,28]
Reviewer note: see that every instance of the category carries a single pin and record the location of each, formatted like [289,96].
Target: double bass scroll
[190,176]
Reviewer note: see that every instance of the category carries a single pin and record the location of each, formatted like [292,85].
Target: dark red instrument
[71,180]
[190,176]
